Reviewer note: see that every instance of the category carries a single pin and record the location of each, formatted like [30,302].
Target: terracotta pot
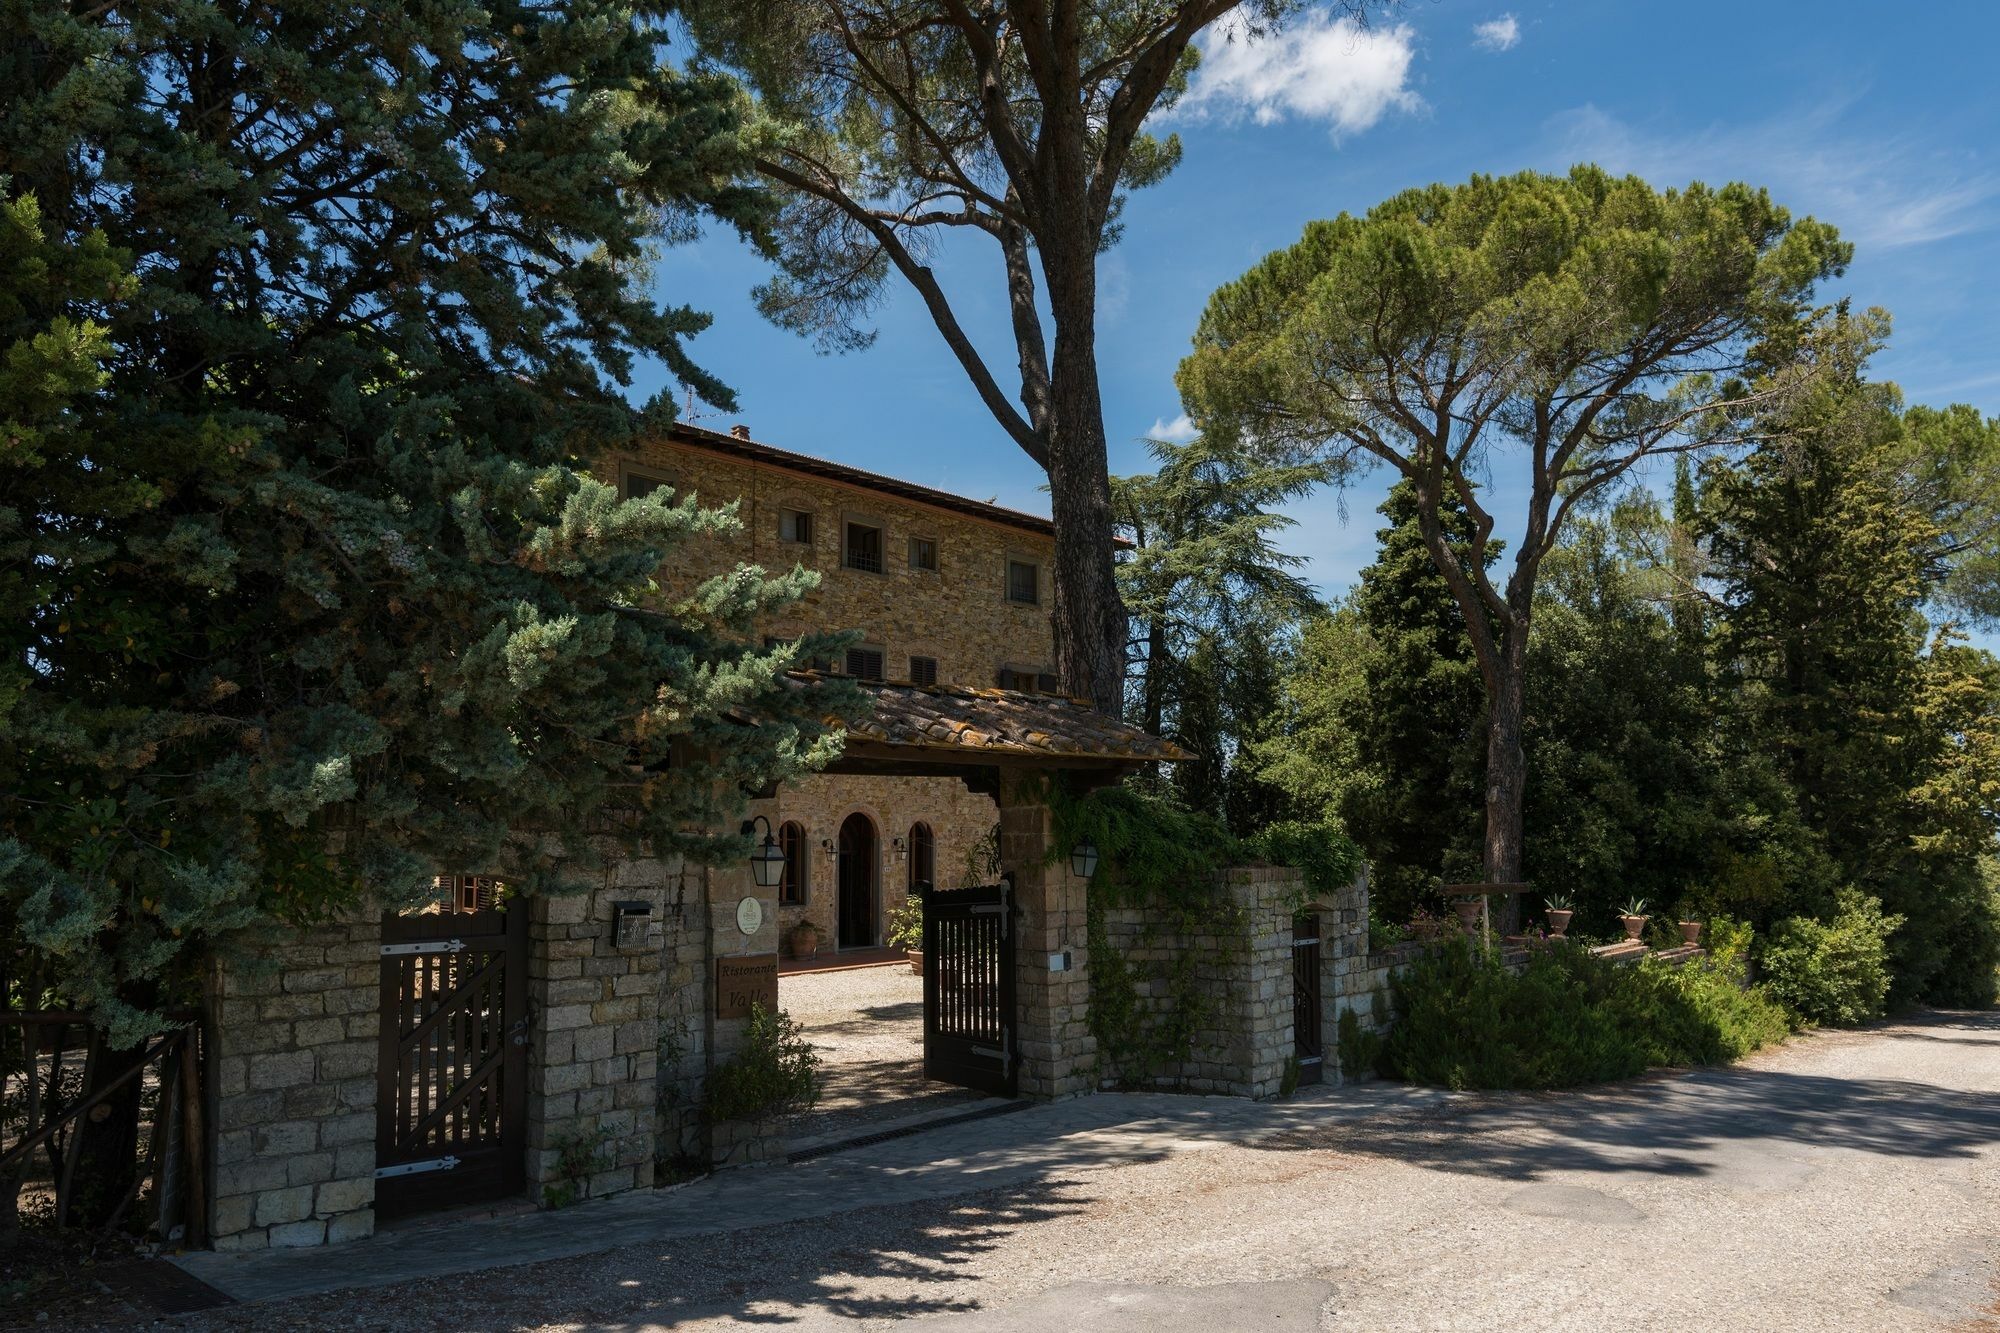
[1690,932]
[916,957]
[1468,914]
[805,940]
[1634,925]
[1558,921]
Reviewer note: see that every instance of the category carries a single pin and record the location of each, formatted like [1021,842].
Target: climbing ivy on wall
[1159,856]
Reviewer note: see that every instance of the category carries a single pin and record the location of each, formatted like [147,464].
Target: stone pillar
[593,1066]
[727,887]
[296,1029]
[1053,1043]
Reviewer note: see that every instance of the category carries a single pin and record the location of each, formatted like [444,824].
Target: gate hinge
[416,1168]
[422,946]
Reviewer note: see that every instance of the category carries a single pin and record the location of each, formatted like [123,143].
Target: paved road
[1845,1181]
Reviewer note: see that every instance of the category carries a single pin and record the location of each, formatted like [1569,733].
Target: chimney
[739,431]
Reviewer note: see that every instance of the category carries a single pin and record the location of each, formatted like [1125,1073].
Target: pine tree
[310,330]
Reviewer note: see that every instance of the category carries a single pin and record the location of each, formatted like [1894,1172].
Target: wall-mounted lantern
[767,863]
[1083,859]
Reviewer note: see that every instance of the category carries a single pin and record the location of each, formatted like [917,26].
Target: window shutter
[923,671]
[865,663]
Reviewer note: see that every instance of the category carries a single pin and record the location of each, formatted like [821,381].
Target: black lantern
[1083,859]
[767,863]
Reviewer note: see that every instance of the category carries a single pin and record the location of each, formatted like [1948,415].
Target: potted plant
[1633,915]
[805,939]
[906,931]
[1558,908]
[1468,910]
[1690,933]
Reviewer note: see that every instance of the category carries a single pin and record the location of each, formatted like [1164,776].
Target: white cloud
[1316,68]
[1501,34]
[1178,431]
[1882,190]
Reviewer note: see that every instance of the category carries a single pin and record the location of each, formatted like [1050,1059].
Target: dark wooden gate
[969,987]
[452,1090]
[1307,1046]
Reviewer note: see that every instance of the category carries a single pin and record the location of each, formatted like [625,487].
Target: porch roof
[958,724]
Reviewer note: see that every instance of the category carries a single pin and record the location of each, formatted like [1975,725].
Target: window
[1028,680]
[792,886]
[923,857]
[923,671]
[795,525]
[923,553]
[636,484]
[864,548]
[865,663]
[1024,582]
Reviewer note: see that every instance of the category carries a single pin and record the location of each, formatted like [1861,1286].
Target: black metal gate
[451,1094]
[1307,1046]
[969,987]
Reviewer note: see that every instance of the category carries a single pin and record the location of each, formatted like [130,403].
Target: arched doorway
[856,918]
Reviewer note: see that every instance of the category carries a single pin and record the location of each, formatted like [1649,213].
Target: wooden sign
[742,982]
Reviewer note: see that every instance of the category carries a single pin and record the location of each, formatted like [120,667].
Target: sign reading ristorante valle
[742,982]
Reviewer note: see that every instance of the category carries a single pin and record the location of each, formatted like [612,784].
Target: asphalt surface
[1843,1181]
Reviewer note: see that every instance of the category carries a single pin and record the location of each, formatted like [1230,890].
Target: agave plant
[1558,902]
[1637,907]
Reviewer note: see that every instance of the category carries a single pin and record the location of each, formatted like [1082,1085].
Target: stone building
[944,592]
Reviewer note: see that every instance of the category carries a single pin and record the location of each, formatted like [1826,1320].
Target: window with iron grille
[865,663]
[792,885]
[923,671]
[1024,582]
[864,548]
[795,525]
[923,553]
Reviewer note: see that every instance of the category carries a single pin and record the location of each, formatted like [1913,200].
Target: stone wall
[958,819]
[593,1065]
[957,614]
[1055,1048]
[1238,968]
[294,1035]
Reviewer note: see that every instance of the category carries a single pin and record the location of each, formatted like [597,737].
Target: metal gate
[969,987]
[451,1096]
[1307,1046]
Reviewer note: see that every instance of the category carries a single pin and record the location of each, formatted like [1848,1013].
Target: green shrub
[1834,972]
[1360,1049]
[906,924]
[776,1072]
[1566,1018]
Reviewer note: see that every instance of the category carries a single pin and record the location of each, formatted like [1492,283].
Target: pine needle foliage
[311,320]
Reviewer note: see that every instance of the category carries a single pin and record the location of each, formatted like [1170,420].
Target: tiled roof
[792,461]
[974,723]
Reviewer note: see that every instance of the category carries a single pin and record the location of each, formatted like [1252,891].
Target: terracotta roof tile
[1000,723]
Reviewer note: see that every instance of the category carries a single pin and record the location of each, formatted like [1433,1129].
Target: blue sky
[1881,120]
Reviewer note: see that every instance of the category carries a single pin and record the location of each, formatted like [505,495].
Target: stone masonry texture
[295,1036]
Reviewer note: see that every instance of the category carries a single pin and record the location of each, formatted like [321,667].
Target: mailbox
[633,922]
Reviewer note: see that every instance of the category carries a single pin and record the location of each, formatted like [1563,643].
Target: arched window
[923,856]
[792,842]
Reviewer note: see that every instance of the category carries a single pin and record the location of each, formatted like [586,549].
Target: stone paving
[868,1025]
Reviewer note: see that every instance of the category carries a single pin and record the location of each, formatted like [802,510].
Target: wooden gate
[1307,1046]
[969,987]
[452,1079]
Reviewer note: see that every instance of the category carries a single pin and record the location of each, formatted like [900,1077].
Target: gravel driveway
[1844,1181]
[868,1025]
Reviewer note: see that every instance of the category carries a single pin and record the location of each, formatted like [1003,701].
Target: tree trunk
[1088,613]
[107,1160]
[1506,772]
